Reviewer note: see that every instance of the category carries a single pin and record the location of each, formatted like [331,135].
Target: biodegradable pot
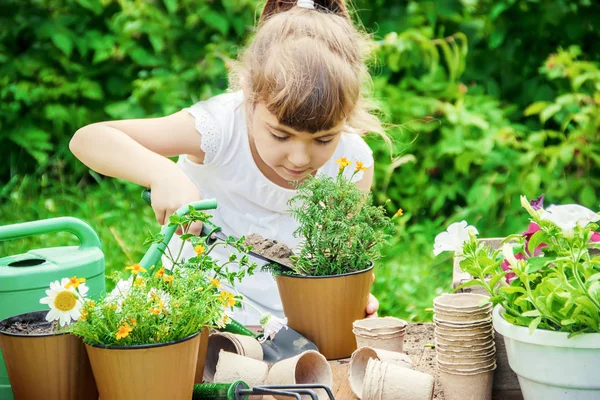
[464,342]
[466,332]
[462,386]
[462,302]
[478,316]
[381,325]
[130,372]
[386,381]
[465,363]
[359,361]
[323,308]
[243,345]
[465,348]
[550,365]
[305,368]
[444,323]
[232,367]
[389,342]
[490,366]
[51,366]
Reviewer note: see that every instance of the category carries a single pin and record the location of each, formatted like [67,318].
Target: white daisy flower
[65,303]
[163,296]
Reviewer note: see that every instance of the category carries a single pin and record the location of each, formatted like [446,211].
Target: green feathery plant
[341,230]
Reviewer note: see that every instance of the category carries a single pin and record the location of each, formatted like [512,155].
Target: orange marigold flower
[399,213]
[74,282]
[216,283]
[135,269]
[155,311]
[168,278]
[227,299]
[160,273]
[84,315]
[199,249]
[124,331]
[360,166]
[133,321]
[344,162]
[139,282]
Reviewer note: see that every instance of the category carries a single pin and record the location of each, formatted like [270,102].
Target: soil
[270,248]
[423,358]
[33,328]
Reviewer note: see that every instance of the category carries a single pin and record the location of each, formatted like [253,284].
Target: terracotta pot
[246,346]
[202,349]
[46,366]
[155,371]
[323,308]
[359,361]
[458,386]
[305,368]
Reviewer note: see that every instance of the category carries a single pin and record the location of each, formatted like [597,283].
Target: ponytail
[273,7]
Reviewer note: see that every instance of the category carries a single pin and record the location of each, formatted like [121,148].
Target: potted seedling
[328,285]
[143,338]
[43,360]
[545,284]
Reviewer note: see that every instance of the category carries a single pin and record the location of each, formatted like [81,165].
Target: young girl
[296,105]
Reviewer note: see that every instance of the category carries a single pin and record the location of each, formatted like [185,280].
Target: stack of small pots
[385,333]
[465,348]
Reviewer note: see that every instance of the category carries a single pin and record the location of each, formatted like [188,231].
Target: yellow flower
[135,269]
[133,321]
[74,282]
[84,314]
[139,282]
[199,249]
[168,278]
[123,331]
[399,213]
[216,283]
[155,311]
[223,321]
[360,166]
[344,162]
[160,273]
[227,299]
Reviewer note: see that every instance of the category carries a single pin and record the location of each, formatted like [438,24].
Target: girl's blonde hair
[308,67]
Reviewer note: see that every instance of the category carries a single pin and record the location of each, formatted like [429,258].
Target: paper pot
[307,367]
[232,367]
[359,361]
[46,366]
[462,302]
[467,386]
[461,349]
[385,381]
[246,346]
[382,325]
[462,318]
[470,369]
[393,343]
[156,371]
[323,308]
[464,332]
[468,342]
[444,323]
[465,357]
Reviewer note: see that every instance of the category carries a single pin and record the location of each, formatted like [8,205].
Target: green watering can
[24,278]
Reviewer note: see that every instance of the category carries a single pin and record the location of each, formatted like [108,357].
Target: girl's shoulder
[217,119]
[355,149]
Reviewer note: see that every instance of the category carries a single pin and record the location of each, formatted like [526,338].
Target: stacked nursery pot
[385,333]
[465,348]
[388,381]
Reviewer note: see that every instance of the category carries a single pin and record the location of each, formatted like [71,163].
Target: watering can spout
[155,251]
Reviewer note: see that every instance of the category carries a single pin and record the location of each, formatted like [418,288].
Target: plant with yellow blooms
[340,230]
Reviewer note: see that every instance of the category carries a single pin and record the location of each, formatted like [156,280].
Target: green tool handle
[208,228]
[86,235]
[155,251]
[239,329]
[218,391]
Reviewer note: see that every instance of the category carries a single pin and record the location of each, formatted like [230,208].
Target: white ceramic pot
[550,366]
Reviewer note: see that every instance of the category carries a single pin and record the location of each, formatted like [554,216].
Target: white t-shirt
[247,201]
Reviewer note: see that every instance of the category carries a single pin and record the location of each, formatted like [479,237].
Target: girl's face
[289,153]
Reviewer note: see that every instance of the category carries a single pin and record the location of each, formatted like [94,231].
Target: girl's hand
[372,304]
[170,191]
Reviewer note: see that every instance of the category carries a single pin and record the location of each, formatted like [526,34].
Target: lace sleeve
[207,126]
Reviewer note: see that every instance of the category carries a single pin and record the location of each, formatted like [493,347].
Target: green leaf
[513,289]
[216,21]
[549,112]
[537,239]
[171,6]
[531,313]
[63,42]
[534,324]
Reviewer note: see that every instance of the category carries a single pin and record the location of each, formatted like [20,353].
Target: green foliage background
[488,99]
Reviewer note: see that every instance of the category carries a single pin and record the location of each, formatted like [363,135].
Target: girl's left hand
[372,306]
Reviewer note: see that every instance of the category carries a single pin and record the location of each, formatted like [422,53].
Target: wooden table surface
[423,358]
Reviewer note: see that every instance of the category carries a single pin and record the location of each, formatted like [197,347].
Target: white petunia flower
[271,326]
[65,303]
[509,255]
[120,292]
[568,216]
[453,238]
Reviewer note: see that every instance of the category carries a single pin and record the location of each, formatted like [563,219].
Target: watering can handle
[155,251]
[86,235]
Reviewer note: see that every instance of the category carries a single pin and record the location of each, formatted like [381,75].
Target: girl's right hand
[169,192]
